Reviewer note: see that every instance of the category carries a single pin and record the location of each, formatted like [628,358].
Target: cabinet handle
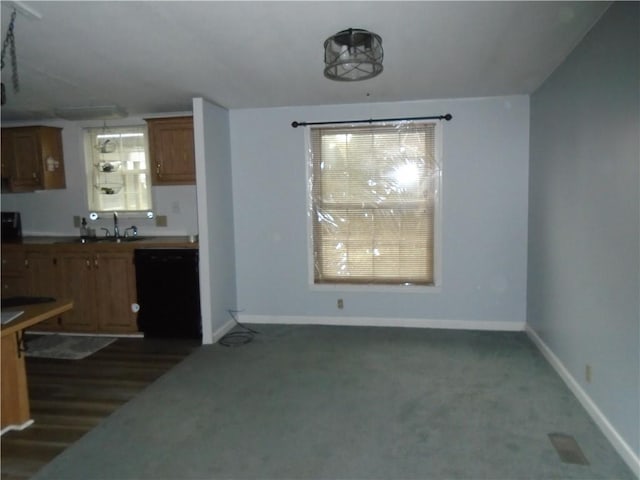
[158,169]
[95,262]
[88,262]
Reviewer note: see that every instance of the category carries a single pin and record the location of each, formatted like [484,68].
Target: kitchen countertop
[74,241]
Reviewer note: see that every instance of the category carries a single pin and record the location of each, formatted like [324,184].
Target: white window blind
[373,195]
[117,169]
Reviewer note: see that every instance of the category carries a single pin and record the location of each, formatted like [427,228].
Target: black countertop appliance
[168,288]
[11,227]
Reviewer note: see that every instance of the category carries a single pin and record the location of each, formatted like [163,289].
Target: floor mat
[68,347]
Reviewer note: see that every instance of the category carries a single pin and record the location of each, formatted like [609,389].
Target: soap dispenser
[84,231]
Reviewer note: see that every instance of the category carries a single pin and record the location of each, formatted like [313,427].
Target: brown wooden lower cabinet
[101,284]
[42,280]
[76,280]
[115,292]
[13,281]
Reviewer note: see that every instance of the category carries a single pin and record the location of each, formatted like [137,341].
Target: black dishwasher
[168,293]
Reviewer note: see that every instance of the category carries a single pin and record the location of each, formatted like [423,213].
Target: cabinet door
[12,286]
[41,274]
[32,158]
[13,260]
[27,174]
[51,159]
[13,272]
[7,154]
[41,278]
[172,151]
[77,282]
[115,292]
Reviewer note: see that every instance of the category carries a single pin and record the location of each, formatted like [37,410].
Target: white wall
[484,227]
[51,212]
[217,252]
[584,247]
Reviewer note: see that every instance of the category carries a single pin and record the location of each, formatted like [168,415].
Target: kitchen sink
[80,240]
[122,239]
[105,240]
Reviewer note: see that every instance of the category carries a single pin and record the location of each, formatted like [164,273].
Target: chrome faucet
[116,230]
[134,231]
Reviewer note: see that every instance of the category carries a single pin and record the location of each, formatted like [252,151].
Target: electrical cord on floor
[238,337]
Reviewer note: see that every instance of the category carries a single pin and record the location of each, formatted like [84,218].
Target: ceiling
[155,56]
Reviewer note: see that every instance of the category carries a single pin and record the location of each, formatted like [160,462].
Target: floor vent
[568,449]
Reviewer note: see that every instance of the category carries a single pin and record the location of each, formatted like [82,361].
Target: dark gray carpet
[304,402]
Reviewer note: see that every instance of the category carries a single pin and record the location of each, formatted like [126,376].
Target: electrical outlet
[161,221]
[76,221]
[340,303]
[587,373]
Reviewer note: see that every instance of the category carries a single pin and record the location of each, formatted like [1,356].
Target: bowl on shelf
[109,188]
[108,167]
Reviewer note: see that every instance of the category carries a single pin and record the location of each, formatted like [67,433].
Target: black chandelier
[353,54]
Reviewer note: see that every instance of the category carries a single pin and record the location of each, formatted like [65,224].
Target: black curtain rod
[446,117]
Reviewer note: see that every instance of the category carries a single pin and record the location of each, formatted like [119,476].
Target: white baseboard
[384,322]
[222,331]
[609,431]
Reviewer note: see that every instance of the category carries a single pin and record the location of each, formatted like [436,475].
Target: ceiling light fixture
[91,112]
[353,54]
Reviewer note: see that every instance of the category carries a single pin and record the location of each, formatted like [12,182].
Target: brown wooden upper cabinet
[171,150]
[32,159]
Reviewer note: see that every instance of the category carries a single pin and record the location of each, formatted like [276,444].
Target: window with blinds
[373,198]
[117,169]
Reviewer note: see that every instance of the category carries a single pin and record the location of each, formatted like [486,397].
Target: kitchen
[109,290]
[53,264]
[51,217]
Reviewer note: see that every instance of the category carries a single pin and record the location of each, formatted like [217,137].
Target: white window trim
[437,239]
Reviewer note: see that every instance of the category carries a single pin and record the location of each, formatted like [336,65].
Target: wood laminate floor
[69,397]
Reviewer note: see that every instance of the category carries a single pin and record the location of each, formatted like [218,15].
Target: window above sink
[117,169]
